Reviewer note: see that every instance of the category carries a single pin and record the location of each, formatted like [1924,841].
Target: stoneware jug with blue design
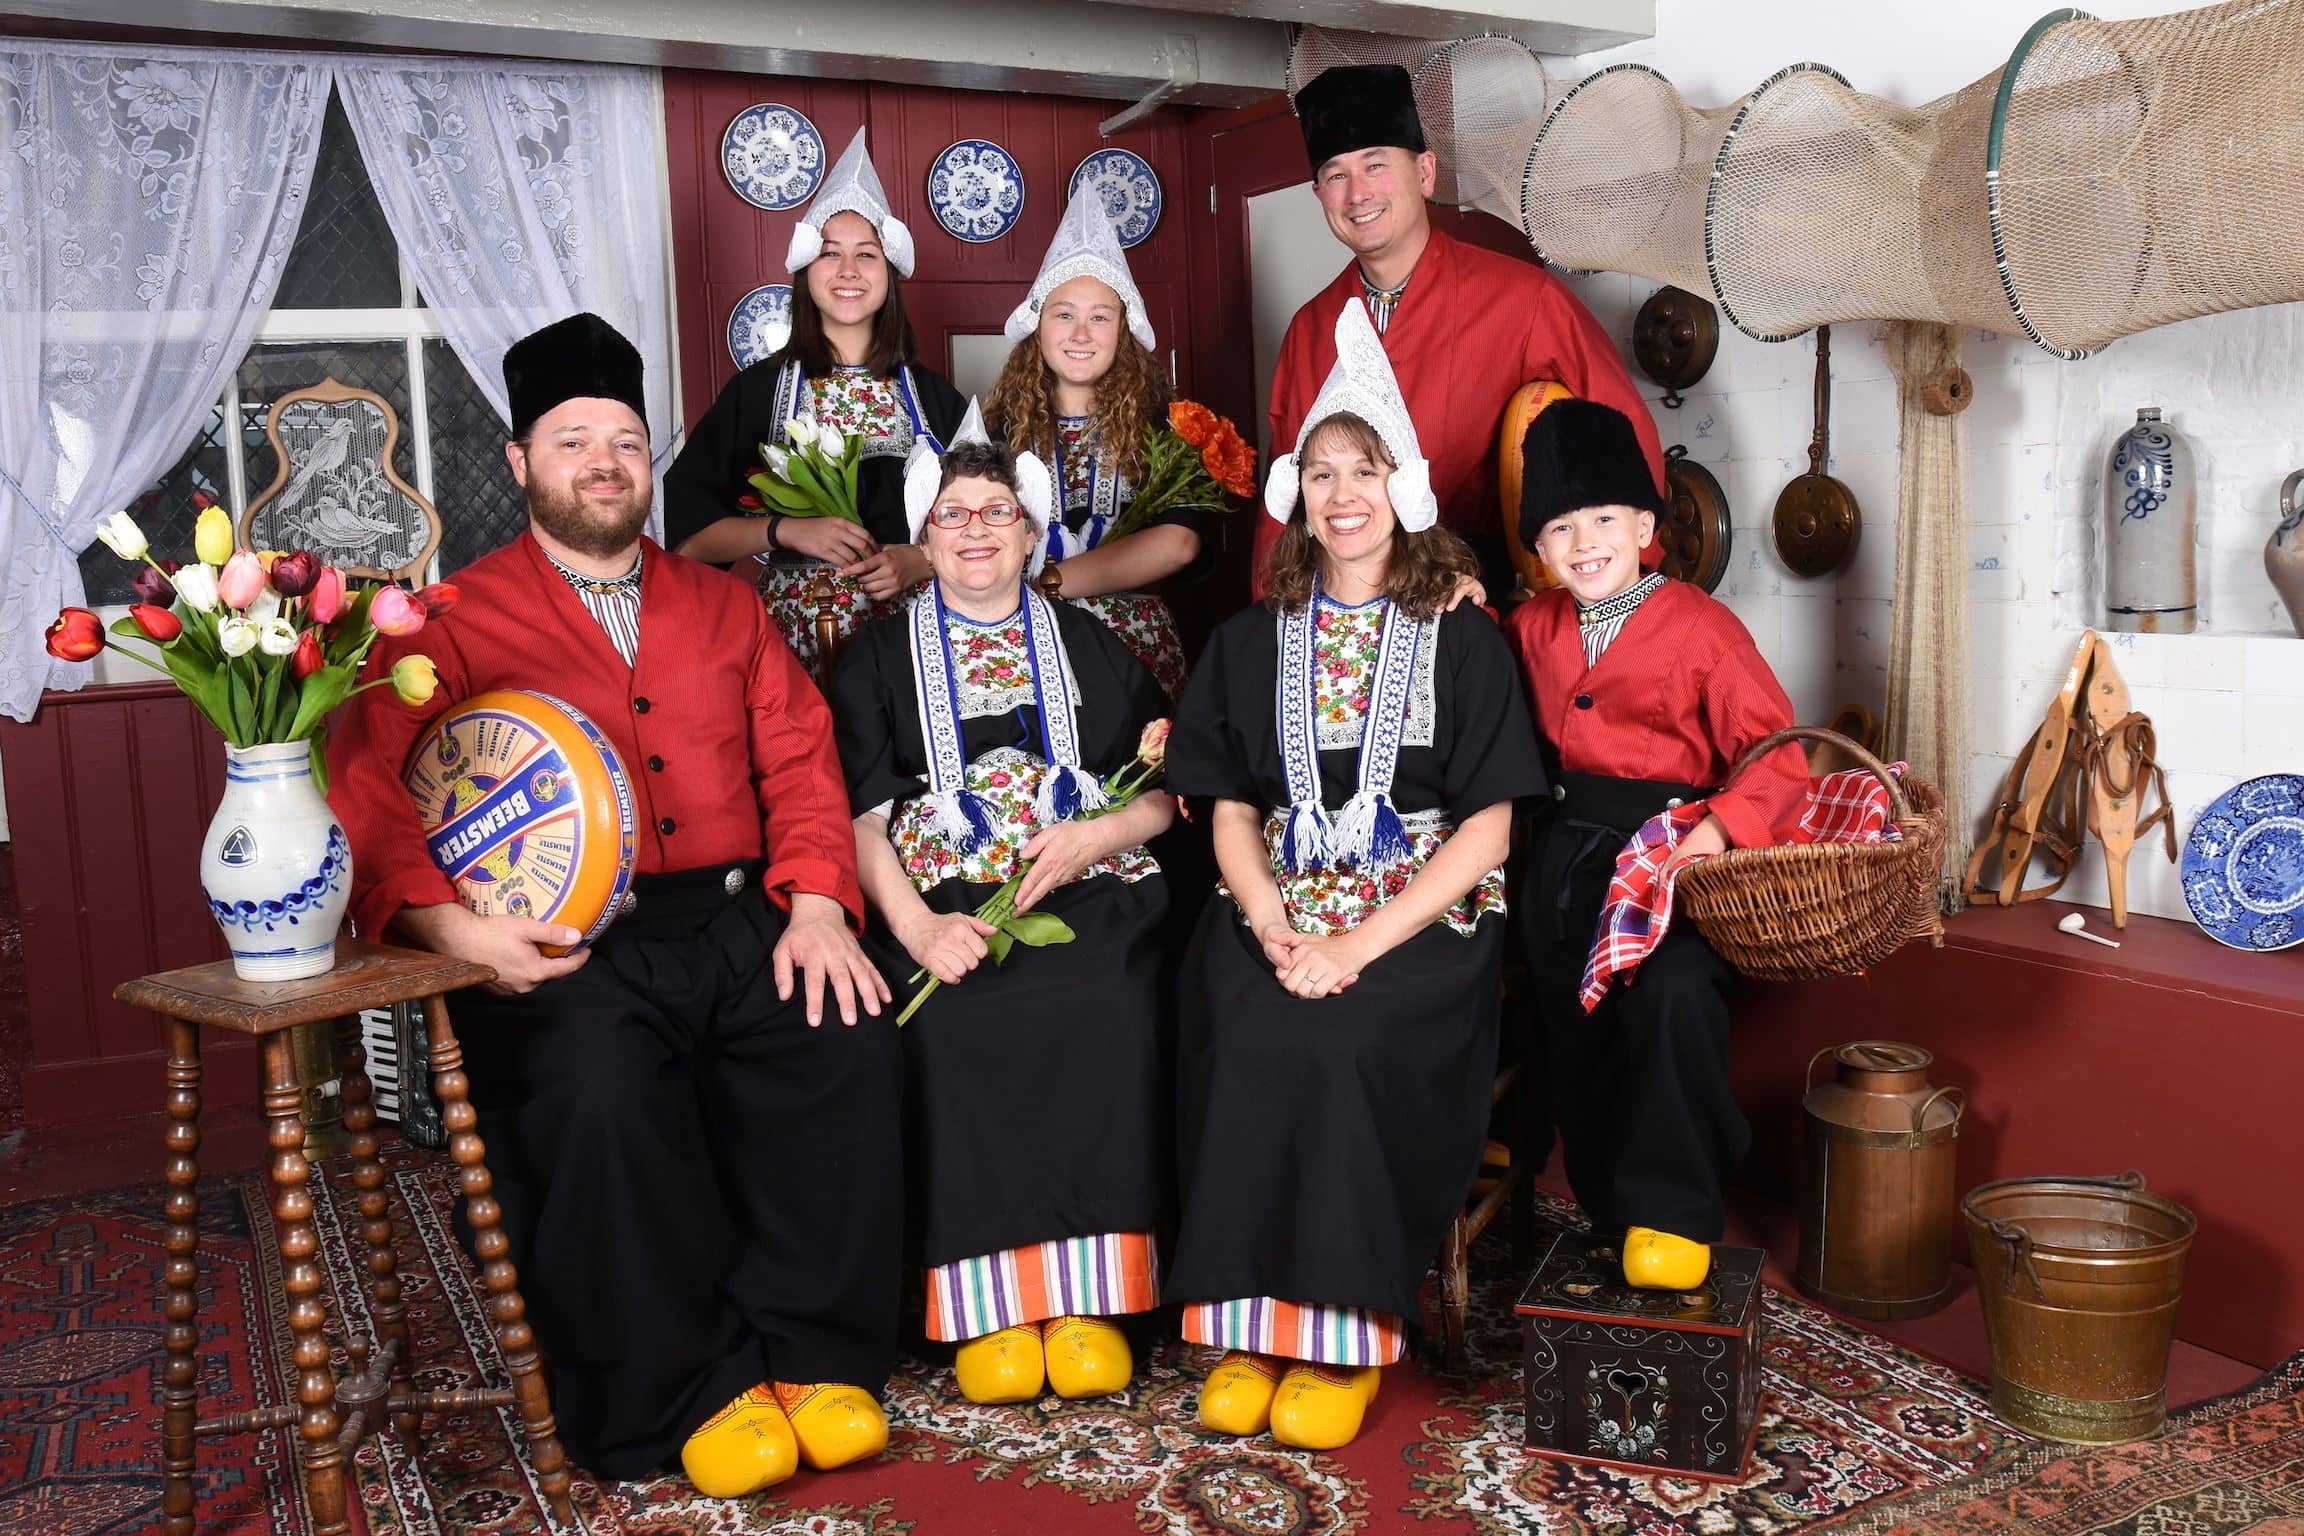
[276,865]
[2284,551]
[2150,512]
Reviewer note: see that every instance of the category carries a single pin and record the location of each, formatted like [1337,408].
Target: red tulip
[76,635]
[202,501]
[153,586]
[327,599]
[749,502]
[437,598]
[293,575]
[156,621]
[308,658]
[394,612]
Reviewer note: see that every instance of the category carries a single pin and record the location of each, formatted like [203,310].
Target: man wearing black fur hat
[700,1174]
[1647,693]
[1464,327]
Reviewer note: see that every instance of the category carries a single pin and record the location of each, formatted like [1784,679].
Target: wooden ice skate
[2118,766]
[2038,810]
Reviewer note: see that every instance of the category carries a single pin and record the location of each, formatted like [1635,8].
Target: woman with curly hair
[1081,390]
[1336,1035]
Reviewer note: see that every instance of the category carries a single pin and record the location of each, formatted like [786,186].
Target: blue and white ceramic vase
[2150,512]
[276,865]
[2284,551]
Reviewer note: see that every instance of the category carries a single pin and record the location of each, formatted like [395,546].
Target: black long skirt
[1324,1146]
[1035,1095]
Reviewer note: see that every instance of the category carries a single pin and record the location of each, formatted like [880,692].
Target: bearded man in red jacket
[700,1174]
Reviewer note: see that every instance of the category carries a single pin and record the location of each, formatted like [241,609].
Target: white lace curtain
[148,200]
[521,193]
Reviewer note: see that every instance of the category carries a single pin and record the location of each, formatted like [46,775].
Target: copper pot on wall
[1876,1181]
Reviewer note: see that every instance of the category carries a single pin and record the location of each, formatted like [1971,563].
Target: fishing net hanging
[2111,177]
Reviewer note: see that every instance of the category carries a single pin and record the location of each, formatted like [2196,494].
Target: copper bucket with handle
[2080,1279]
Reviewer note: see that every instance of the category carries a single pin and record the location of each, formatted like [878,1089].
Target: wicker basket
[1807,911]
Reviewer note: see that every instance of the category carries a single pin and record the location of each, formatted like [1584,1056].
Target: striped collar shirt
[615,603]
[1603,621]
[1380,301]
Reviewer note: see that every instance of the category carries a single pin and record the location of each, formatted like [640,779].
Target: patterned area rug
[2231,1466]
[1851,1423]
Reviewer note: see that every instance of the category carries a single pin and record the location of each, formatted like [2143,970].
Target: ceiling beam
[1108,51]
[1548,26]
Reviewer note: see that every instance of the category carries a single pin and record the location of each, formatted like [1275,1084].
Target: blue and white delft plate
[1130,189]
[773,156]
[2243,865]
[760,323]
[977,190]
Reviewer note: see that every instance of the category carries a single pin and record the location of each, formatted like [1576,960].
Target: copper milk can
[1876,1181]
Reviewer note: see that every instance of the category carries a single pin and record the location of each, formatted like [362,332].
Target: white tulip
[265,609]
[831,443]
[121,536]
[798,430]
[236,635]
[276,637]
[196,584]
[779,462]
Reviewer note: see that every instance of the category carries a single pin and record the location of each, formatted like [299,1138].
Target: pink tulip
[327,599]
[394,612]
[242,580]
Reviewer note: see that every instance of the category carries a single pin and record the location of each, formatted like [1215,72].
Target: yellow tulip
[212,536]
[414,679]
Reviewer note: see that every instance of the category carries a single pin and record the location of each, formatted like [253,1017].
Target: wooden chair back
[336,492]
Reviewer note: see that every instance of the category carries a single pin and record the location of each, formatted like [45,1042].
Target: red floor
[127,1152]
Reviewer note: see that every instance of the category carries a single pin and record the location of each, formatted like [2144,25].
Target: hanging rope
[1926,720]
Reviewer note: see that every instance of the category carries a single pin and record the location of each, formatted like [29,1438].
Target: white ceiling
[1199,52]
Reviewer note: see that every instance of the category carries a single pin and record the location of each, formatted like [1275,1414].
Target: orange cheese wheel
[526,807]
[1527,402]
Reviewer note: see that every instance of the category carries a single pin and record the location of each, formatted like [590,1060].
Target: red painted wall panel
[723,247]
[2174,1057]
[109,794]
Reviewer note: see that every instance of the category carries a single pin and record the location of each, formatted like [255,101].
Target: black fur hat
[1578,454]
[581,357]
[1358,106]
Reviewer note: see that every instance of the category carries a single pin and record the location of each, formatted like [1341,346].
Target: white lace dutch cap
[924,473]
[851,186]
[1362,384]
[1085,246]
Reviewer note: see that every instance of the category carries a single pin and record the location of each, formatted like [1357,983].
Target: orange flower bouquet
[1195,461]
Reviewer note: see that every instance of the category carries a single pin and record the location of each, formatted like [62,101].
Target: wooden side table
[332,1416]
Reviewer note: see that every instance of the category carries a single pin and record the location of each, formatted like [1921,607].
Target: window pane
[165,513]
[481,505]
[344,256]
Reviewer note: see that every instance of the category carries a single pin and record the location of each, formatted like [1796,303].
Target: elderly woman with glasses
[977,730]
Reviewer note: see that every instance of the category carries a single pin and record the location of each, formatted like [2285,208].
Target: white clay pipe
[2077,926]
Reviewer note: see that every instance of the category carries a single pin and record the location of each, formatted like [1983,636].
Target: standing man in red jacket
[694,1124]
[1464,327]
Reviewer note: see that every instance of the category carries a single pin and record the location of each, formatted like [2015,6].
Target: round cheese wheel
[526,807]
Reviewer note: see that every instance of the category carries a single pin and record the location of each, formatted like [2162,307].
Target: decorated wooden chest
[1663,1382]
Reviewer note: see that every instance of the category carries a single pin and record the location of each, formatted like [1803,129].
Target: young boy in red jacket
[1647,693]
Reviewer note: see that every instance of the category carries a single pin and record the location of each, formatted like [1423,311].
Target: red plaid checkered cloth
[1850,806]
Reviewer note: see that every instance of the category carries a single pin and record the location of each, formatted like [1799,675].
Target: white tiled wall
[2228,703]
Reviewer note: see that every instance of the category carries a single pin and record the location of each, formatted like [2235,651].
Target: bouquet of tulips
[1192,462]
[815,477]
[265,643]
[1042,928]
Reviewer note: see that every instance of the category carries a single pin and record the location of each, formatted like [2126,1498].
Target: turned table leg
[307,1314]
[497,1273]
[375,1217]
[180,1377]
